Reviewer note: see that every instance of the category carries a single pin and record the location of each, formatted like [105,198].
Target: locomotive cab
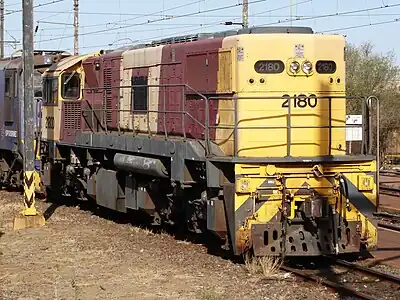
[63,85]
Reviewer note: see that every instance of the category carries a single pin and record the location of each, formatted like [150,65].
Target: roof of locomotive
[222,34]
[40,59]
[68,62]
[207,36]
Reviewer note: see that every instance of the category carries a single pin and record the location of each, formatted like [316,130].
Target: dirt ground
[79,255]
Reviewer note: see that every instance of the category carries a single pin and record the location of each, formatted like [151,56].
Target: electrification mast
[245,14]
[30,217]
[2,28]
[76,27]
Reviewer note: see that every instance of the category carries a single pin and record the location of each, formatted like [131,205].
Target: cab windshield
[70,86]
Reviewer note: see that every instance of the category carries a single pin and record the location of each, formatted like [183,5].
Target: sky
[109,24]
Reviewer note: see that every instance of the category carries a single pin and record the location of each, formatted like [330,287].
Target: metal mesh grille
[72,115]
[108,92]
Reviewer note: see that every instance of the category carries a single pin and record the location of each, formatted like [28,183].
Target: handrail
[208,125]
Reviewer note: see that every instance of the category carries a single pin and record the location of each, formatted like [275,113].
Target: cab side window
[9,95]
[71,86]
[50,90]
[139,94]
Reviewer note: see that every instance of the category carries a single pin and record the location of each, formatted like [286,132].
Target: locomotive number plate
[300,101]
[49,122]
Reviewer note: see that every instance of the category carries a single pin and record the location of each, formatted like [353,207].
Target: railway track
[353,280]
[388,221]
[389,190]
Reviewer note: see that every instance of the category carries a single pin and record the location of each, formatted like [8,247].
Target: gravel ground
[382,268]
[79,255]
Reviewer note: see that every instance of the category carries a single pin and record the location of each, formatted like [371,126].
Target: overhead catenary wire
[10,12]
[360,26]
[334,14]
[156,14]
[350,14]
[160,19]
[216,23]
[138,16]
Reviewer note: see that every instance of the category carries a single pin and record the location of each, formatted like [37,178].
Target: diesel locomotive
[239,133]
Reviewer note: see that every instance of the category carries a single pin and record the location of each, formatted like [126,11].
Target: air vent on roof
[252,30]
[222,34]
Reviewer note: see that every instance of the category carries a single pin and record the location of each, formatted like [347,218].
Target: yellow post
[30,216]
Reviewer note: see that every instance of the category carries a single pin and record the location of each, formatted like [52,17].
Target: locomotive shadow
[143,221]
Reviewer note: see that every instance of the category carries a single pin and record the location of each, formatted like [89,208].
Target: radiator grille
[72,119]
[108,98]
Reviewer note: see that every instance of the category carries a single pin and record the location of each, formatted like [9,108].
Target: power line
[157,14]
[282,7]
[163,15]
[138,16]
[170,27]
[10,12]
[161,19]
[203,26]
[216,23]
[360,26]
[334,14]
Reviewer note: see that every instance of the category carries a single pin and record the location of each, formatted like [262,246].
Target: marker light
[294,67]
[307,67]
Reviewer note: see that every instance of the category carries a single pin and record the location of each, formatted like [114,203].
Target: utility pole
[2,28]
[245,14]
[76,27]
[30,217]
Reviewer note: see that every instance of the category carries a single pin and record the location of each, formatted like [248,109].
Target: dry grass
[270,265]
[267,266]
[143,230]
[79,255]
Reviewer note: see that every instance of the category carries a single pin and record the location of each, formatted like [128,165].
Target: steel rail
[388,190]
[336,286]
[346,289]
[369,271]
[385,215]
[389,226]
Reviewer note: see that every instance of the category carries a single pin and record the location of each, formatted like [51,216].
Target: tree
[369,73]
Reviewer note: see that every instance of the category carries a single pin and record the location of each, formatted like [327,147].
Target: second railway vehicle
[238,133]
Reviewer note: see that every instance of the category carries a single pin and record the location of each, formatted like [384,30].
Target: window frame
[7,86]
[50,89]
[139,103]
[63,86]
[9,96]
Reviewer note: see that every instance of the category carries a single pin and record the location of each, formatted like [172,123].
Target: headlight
[307,67]
[294,67]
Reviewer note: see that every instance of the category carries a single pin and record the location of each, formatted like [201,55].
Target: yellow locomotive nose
[291,112]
